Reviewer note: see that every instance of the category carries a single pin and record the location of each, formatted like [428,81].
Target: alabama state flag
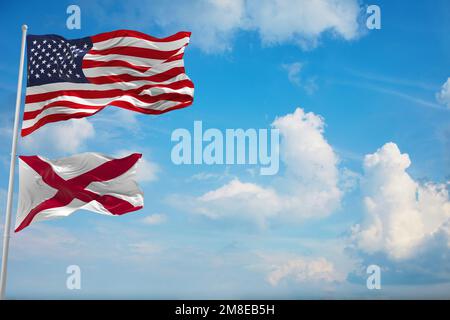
[55,188]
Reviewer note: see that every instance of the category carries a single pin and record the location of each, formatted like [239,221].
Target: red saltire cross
[74,188]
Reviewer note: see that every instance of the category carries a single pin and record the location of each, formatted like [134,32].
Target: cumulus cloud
[444,95]
[402,215]
[303,21]
[302,269]
[249,200]
[215,23]
[308,188]
[61,137]
[308,156]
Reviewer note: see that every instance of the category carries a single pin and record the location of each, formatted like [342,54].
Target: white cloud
[247,199]
[444,95]
[349,180]
[308,189]
[401,213]
[146,170]
[215,23]
[305,151]
[302,270]
[155,219]
[117,119]
[303,21]
[294,75]
[293,70]
[65,137]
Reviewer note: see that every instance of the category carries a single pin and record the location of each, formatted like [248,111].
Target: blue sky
[357,90]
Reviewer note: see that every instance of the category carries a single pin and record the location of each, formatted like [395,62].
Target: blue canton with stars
[53,59]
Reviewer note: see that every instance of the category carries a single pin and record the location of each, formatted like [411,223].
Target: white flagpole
[12,167]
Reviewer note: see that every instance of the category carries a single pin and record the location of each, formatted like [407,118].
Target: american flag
[128,69]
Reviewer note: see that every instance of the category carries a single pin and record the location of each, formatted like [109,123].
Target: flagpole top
[24,27]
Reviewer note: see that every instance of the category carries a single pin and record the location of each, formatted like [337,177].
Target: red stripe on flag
[136,34]
[136,52]
[132,107]
[93,94]
[55,118]
[30,115]
[160,77]
[113,63]
[176,97]
[120,104]
[175,57]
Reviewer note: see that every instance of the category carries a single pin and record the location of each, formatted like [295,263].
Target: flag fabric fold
[77,78]
[90,181]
